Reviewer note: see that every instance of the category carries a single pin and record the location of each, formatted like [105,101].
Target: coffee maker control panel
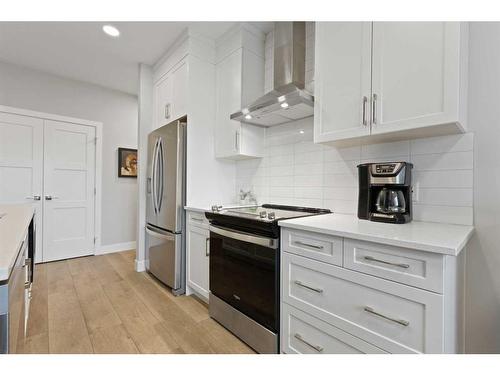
[386,169]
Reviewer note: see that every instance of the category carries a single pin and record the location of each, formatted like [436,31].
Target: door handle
[365,100]
[167,111]
[153,178]
[300,283]
[160,173]
[372,311]
[207,251]
[402,265]
[299,337]
[50,197]
[35,197]
[374,109]
[160,236]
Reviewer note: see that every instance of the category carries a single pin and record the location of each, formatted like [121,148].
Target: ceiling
[81,51]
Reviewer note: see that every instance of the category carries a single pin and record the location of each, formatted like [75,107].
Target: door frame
[98,157]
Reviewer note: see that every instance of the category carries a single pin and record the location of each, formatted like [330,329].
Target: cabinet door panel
[228,78]
[179,90]
[198,260]
[342,69]
[415,74]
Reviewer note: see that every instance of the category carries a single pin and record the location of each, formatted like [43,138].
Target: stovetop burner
[260,219]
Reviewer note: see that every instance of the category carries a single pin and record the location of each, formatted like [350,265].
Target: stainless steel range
[245,270]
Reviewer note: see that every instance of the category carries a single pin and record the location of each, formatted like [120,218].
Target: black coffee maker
[385,192]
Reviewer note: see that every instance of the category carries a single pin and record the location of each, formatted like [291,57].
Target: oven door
[244,273]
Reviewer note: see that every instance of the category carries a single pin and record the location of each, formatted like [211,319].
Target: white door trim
[98,156]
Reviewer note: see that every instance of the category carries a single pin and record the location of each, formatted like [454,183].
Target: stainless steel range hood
[287,101]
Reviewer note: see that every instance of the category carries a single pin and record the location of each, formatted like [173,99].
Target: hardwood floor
[99,304]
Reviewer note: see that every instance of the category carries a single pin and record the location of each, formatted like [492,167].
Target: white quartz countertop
[446,239]
[13,225]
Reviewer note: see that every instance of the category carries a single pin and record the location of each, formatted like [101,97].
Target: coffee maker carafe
[385,192]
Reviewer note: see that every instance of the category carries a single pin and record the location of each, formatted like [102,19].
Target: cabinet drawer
[411,267]
[197,218]
[304,334]
[311,245]
[391,316]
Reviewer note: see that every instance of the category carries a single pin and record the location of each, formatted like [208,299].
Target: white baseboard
[140,266]
[116,247]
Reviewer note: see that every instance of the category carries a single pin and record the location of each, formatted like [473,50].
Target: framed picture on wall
[127,162]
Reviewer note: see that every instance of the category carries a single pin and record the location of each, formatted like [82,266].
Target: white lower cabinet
[197,255]
[303,334]
[378,298]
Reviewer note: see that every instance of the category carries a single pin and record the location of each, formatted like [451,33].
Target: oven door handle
[272,243]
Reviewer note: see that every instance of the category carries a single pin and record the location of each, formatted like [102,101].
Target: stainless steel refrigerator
[166,197]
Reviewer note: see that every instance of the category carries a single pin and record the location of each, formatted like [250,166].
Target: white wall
[483,257]
[30,89]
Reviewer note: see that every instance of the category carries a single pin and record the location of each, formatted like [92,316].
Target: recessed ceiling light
[301,131]
[248,117]
[284,105]
[111,31]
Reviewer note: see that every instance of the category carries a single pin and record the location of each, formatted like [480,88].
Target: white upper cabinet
[179,90]
[228,100]
[413,75]
[163,99]
[170,95]
[239,81]
[343,80]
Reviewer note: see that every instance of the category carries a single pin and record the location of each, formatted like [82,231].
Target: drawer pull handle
[318,348]
[402,265]
[300,283]
[319,247]
[197,219]
[399,321]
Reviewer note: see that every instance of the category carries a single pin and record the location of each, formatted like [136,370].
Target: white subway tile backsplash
[280,181]
[444,161]
[315,180]
[308,157]
[385,150]
[445,179]
[308,169]
[340,180]
[308,192]
[285,192]
[339,154]
[279,160]
[341,193]
[280,171]
[341,167]
[280,150]
[445,197]
[443,214]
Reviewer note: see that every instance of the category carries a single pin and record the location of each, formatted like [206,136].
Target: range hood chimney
[288,101]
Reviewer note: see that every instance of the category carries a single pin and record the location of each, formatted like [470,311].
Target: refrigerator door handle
[160,169]
[153,178]
[161,236]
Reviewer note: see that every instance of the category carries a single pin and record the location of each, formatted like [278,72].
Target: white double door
[51,164]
